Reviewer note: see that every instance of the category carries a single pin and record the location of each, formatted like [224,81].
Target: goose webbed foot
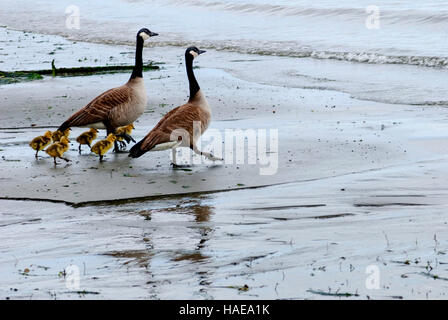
[126,137]
[208,155]
[116,147]
[119,147]
[211,156]
[122,145]
[179,166]
[56,163]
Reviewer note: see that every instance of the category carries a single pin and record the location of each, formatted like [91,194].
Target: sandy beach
[354,206]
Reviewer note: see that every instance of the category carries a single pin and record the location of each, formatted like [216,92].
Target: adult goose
[119,106]
[182,126]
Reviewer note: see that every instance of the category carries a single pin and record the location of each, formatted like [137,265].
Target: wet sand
[359,183]
[294,241]
[326,139]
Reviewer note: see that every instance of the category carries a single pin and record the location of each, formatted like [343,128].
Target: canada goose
[58,134]
[57,149]
[181,118]
[87,138]
[102,146]
[123,133]
[41,142]
[119,106]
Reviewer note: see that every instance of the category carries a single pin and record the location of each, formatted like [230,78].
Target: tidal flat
[356,208]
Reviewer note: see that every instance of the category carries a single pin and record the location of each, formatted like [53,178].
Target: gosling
[87,138]
[102,146]
[40,142]
[57,149]
[123,133]
[58,134]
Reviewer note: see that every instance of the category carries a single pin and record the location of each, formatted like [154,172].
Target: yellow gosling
[87,138]
[40,142]
[124,133]
[57,149]
[124,130]
[57,135]
[102,146]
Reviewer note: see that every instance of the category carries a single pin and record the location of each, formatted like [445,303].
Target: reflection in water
[160,240]
[202,215]
[195,257]
[141,257]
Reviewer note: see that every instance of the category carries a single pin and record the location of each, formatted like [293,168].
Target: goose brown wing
[167,116]
[99,108]
[181,117]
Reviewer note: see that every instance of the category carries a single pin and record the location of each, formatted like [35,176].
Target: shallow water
[297,28]
[301,240]
[327,44]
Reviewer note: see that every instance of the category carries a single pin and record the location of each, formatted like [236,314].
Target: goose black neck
[194,86]
[138,67]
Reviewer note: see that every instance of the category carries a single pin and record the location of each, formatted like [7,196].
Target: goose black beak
[202,51]
[153,34]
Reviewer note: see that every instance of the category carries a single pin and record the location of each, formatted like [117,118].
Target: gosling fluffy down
[124,133]
[58,134]
[40,142]
[102,146]
[57,149]
[87,138]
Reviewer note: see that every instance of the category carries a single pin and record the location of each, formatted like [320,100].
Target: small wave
[295,51]
[286,10]
[374,58]
[391,15]
[440,103]
[271,48]
[93,31]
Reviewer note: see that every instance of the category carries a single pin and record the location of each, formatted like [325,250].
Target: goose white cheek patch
[194,54]
[144,35]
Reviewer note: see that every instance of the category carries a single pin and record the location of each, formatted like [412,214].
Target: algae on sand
[17,76]
[7,77]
